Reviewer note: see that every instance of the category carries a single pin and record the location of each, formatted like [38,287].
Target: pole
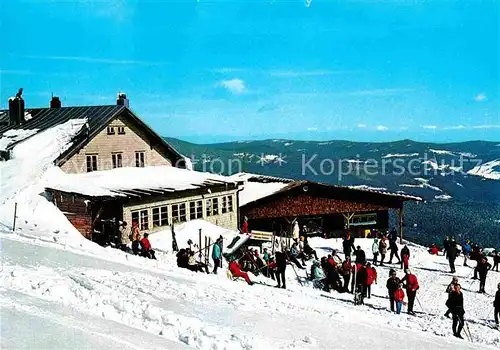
[15,217]
[205,253]
[401,213]
[199,236]
[418,300]
[468,330]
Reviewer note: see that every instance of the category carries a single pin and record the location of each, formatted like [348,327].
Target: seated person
[147,252]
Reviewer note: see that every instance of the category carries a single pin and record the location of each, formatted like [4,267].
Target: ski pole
[468,330]
[418,300]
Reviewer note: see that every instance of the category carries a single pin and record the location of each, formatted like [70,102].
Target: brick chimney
[55,102]
[16,109]
[122,99]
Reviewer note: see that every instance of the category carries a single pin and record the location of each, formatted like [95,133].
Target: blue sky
[208,71]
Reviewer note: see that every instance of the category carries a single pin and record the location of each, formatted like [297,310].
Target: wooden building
[322,209]
[155,197]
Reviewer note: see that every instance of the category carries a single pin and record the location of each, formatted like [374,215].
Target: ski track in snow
[207,311]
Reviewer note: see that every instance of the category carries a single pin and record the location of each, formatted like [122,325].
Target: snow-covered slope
[154,300]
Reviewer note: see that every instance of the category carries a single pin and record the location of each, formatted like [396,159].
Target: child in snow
[147,250]
[399,296]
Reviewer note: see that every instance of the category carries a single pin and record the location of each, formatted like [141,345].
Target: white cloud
[236,86]
[455,127]
[382,128]
[480,97]
[487,126]
[430,127]
[361,125]
[225,70]
[313,73]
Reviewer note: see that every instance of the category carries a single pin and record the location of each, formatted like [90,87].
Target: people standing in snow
[496,305]
[135,238]
[405,257]
[360,255]
[496,261]
[446,245]
[483,266]
[399,297]
[455,303]
[124,235]
[411,283]
[236,272]
[280,269]
[296,231]
[147,250]
[348,244]
[433,250]
[216,255]
[393,247]
[371,277]
[382,248]
[467,249]
[244,227]
[375,250]
[345,271]
[450,289]
[392,285]
[451,253]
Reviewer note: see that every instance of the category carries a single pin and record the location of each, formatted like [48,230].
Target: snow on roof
[117,181]
[13,136]
[489,170]
[256,190]
[438,151]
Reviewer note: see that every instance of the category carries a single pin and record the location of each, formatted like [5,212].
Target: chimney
[122,99]
[16,109]
[55,102]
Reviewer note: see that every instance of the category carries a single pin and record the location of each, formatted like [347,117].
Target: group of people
[133,242]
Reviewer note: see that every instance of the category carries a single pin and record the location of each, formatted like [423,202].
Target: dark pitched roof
[98,117]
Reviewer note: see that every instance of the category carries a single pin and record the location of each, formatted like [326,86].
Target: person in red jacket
[371,278]
[411,289]
[146,248]
[399,297]
[434,250]
[244,227]
[235,269]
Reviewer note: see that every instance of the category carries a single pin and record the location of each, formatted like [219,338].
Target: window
[224,204]
[179,212]
[230,203]
[91,162]
[117,160]
[160,216]
[139,159]
[195,210]
[212,206]
[111,130]
[121,130]
[363,220]
[141,216]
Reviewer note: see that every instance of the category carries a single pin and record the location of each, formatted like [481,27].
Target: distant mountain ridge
[467,171]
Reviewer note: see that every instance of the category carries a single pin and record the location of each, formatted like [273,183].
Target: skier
[382,248]
[405,256]
[375,250]
[411,289]
[496,305]
[455,303]
[483,266]
[216,255]
[449,289]
[280,269]
[235,269]
[399,296]
[393,247]
[348,244]
[451,253]
[467,250]
[360,255]
[392,285]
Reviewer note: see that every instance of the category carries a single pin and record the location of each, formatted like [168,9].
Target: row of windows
[120,130]
[116,159]
[160,214]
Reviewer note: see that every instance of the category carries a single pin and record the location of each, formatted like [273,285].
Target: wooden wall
[304,205]
[77,212]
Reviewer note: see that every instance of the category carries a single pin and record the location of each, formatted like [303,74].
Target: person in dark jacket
[446,245]
[360,255]
[348,244]
[450,289]
[280,269]
[496,305]
[452,255]
[405,257]
[455,303]
[345,270]
[393,247]
[392,285]
[483,266]
[496,261]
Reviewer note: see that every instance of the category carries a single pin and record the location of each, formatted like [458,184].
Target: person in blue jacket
[216,255]
[467,249]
